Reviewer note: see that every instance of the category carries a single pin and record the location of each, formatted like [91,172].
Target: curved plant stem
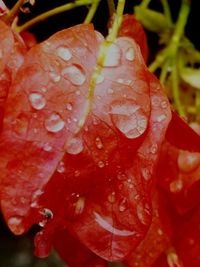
[145,3]
[167,11]
[92,11]
[117,21]
[164,72]
[53,12]
[111,7]
[14,11]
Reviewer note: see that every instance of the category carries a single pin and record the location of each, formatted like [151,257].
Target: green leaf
[152,20]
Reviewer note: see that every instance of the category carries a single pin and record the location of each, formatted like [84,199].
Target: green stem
[164,72]
[111,7]
[14,11]
[53,12]
[117,21]
[145,3]
[167,11]
[92,11]
[175,88]
[159,60]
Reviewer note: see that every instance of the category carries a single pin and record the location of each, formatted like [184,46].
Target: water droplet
[112,197]
[123,205]
[37,193]
[141,213]
[176,186]
[146,174]
[37,100]
[61,167]
[129,118]
[47,147]
[54,123]
[121,176]
[79,206]
[75,74]
[100,78]
[154,148]
[98,143]
[14,223]
[113,56]
[130,54]
[64,53]
[164,104]
[47,213]
[188,162]
[101,164]
[34,204]
[160,232]
[161,118]
[74,146]
[55,77]
[69,106]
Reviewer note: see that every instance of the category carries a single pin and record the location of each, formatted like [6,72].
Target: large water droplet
[75,74]
[74,146]
[54,123]
[113,56]
[130,54]
[64,53]
[98,143]
[129,118]
[37,100]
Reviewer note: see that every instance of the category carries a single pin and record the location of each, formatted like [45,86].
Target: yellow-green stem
[145,3]
[13,12]
[167,11]
[53,12]
[92,11]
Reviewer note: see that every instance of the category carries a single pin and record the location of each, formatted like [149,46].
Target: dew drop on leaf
[55,77]
[54,123]
[74,146]
[98,143]
[113,56]
[75,74]
[37,100]
[69,106]
[130,54]
[61,167]
[101,164]
[64,53]
[47,147]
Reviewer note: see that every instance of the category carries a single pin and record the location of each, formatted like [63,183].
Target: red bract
[132,28]
[179,174]
[12,52]
[105,166]
[158,236]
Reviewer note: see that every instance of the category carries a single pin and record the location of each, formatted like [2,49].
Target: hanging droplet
[64,53]
[98,143]
[123,205]
[37,100]
[130,54]
[54,123]
[75,74]
[74,146]
[112,57]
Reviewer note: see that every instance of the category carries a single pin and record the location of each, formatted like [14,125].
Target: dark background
[18,251]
